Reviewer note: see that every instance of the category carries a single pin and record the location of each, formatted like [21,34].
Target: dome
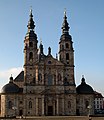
[84,88]
[10,87]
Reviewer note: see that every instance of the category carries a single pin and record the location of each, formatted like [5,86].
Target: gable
[20,77]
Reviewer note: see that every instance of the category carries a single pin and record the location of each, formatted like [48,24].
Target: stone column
[54,108]
[25,105]
[63,106]
[57,105]
[43,105]
[56,78]
[42,76]
[36,75]
[62,77]
[37,106]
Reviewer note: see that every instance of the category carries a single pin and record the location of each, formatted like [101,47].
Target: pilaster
[56,77]
[37,107]
[43,105]
[57,105]
[63,107]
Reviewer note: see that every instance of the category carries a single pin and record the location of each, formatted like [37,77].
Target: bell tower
[66,53]
[30,50]
[66,56]
[65,45]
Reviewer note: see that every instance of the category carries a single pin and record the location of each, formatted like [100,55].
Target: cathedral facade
[46,86]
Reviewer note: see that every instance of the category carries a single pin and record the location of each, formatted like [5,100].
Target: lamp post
[14,108]
[89,111]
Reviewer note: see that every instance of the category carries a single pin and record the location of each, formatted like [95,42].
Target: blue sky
[86,21]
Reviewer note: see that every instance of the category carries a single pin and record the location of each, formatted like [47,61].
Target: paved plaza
[58,118]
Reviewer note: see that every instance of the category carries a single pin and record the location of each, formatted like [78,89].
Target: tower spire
[83,80]
[65,11]
[31,22]
[65,27]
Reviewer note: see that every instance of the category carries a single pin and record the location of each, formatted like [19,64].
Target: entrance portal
[20,112]
[50,110]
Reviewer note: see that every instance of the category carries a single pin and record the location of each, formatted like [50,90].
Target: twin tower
[50,80]
[37,63]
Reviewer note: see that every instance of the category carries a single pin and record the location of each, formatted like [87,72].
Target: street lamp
[89,111]
[14,108]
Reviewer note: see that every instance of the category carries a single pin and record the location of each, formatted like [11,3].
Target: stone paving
[58,118]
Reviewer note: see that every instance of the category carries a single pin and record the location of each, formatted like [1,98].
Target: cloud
[5,75]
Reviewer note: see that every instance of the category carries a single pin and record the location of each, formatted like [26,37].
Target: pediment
[52,61]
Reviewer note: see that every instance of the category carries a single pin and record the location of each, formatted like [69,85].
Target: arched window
[67,56]
[60,57]
[54,79]
[39,77]
[62,47]
[69,104]
[87,104]
[31,44]
[50,82]
[67,45]
[34,80]
[59,77]
[45,76]
[30,56]
[10,104]
[30,105]
[65,81]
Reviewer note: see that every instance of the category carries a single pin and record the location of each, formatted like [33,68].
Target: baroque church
[46,86]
